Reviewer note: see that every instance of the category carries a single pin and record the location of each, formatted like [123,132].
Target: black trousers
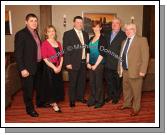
[77,83]
[96,84]
[114,83]
[29,84]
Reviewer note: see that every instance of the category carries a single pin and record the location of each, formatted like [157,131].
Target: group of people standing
[106,56]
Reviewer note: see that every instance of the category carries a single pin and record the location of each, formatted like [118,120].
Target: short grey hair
[116,18]
[131,25]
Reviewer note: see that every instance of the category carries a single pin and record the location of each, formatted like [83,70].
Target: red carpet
[109,113]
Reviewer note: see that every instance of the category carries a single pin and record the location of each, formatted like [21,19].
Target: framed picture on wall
[8,23]
[104,18]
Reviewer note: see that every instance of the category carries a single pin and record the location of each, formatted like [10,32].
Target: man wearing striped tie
[133,66]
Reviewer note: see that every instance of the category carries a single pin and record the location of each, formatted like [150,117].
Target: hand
[94,67]
[119,73]
[59,68]
[141,74]
[25,73]
[56,70]
[89,66]
[120,70]
[69,66]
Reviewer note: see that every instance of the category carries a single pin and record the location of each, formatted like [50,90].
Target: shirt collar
[77,31]
[131,38]
[115,32]
[31,30]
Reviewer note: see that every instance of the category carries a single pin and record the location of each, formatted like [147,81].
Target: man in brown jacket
[133,66]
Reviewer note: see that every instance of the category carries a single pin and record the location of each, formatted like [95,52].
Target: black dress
[52,85]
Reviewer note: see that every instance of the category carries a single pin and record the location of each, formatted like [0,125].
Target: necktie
[81,37]
[82,42]
[124,55]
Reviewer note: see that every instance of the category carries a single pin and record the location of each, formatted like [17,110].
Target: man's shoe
[33,113]
[90,104]
[82,101]
[123,107]
[134,113]
[115,101]
[98,106]
[107,99]
[72,104]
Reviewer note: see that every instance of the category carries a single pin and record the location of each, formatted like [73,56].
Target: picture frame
[8,23]
[104,18]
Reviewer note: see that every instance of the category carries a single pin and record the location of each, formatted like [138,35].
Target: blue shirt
[113,35]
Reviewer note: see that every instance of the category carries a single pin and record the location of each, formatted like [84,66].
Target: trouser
[132,89]
[77,83]
[96,84]
[29,84]
[114,83]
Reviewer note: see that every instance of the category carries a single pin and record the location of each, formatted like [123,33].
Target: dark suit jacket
[25,51]
[114,49]
[73,55]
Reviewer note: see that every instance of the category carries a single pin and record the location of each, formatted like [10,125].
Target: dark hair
[95,23]
[30,15]
[77,17]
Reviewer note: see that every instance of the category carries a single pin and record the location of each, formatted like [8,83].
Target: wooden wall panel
[45,16]
[149,27]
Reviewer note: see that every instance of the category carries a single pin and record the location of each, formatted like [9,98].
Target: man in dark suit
[114,39]
[28,58]
[133,66]
[74,42]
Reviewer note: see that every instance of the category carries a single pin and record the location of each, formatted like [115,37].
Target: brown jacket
[138,57]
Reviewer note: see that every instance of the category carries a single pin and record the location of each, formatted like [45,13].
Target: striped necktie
[124,55]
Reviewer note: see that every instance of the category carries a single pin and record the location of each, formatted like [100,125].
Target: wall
[18,21]
[123,12]
[19,12]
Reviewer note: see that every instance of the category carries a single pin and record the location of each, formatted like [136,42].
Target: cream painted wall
[18,21]
[123,11]
[19,12]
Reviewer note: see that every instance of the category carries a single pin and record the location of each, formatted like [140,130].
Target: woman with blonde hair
[52,83]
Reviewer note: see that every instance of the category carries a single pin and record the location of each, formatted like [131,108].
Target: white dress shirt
[130,42]
[81,38]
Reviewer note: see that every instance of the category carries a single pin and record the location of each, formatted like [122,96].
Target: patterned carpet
[109,113]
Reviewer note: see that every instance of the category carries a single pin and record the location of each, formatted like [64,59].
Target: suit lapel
[133,44]
[108,38]
[122,45]
[84,36]
[30,35]
[115,39]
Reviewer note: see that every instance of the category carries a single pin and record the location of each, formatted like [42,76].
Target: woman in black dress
[52,83]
